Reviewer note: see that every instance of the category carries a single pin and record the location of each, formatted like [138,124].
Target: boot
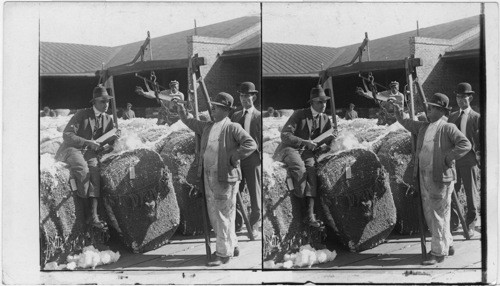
[310,218]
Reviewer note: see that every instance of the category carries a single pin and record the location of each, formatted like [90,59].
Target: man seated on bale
[297,150]
[223,144]
[439,145]
[81,151]
[168,113]
[251,120]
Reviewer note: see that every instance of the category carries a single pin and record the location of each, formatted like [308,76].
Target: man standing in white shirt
[467,121]
[251,120]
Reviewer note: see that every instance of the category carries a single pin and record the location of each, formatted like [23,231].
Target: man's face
[247,100]
[319,106]
[101,104]
[129,106]
[463,100]
[219,112]
[434,113]
[394,88]
[174,87]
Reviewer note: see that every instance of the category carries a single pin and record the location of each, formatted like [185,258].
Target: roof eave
[458,55]
[241,53]
[87,74]
[370,66]
[291,75]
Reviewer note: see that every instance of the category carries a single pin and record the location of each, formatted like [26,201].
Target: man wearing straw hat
[297,148]
[439,145]
[467,121]
[80,150]
[223,145]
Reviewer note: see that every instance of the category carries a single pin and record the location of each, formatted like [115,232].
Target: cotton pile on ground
[62,224]
[396,157]
[355,199]
[50,146]
[140,199]
[307,256]
[89,258]
[179,155]
[283,228]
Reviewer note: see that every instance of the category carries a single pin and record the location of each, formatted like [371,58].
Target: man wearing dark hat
[467,121]
[351,113]
[439,145]
[223,145]
[80,150]
[251,120]
[168,113]
[297,148]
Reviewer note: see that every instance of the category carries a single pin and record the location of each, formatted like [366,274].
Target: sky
[113,24]
[321,24]
[341,24]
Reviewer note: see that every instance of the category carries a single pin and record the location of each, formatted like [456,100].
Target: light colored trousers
[436,203]
[221,206]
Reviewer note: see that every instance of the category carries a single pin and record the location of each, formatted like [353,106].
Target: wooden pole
[111,86]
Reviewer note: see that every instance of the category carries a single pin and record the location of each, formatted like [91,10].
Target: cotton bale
[269,147]
[179,156]
[355,199]
[140,200]
[396,157]
[62,223]
[51,146]
[283,228]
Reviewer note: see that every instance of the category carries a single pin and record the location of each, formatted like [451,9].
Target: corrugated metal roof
[250,43]
[397,46]
[283,59]
[174,46]
[70,59]
[471,44]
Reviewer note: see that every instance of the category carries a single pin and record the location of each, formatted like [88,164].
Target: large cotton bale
[179,155]
[396,157]
[140,199]
[51,146]
[359,209]
[283,228]
[63,230]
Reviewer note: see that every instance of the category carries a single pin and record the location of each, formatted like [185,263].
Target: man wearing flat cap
[467,121]
[439,145]
[80,150]
[297,149]
[251,120]
[223,145]
[168,112]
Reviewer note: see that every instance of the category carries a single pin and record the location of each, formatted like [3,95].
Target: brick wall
[223,74]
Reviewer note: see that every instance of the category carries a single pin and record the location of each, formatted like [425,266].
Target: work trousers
[84,168]
[251,173]
[467,176]
[301,166]
[436,203]
[221,206]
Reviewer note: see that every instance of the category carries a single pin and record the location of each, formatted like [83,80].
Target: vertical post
[110,84]
[409,78]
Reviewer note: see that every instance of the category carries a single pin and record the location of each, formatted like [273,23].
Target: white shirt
[210,157]
[246,124]
[315,116]
[96,112]
[463,123]
[427,152]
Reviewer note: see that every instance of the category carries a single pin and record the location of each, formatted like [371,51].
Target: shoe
[236,251]
[218,261]
[433,259]
[451,251]
[313,222]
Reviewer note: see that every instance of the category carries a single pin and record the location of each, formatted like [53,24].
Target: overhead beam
[147,66]
[370,66]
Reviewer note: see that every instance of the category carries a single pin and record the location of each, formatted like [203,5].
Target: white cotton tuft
[105,257]
[288,264]
[71,266]
[50,266]
[269,264]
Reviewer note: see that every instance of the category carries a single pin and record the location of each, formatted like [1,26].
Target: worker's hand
[235,162]
[93,145]
[335,133]
[139,90]
[309,144]
[449,162]
[323,148]
[118,134]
